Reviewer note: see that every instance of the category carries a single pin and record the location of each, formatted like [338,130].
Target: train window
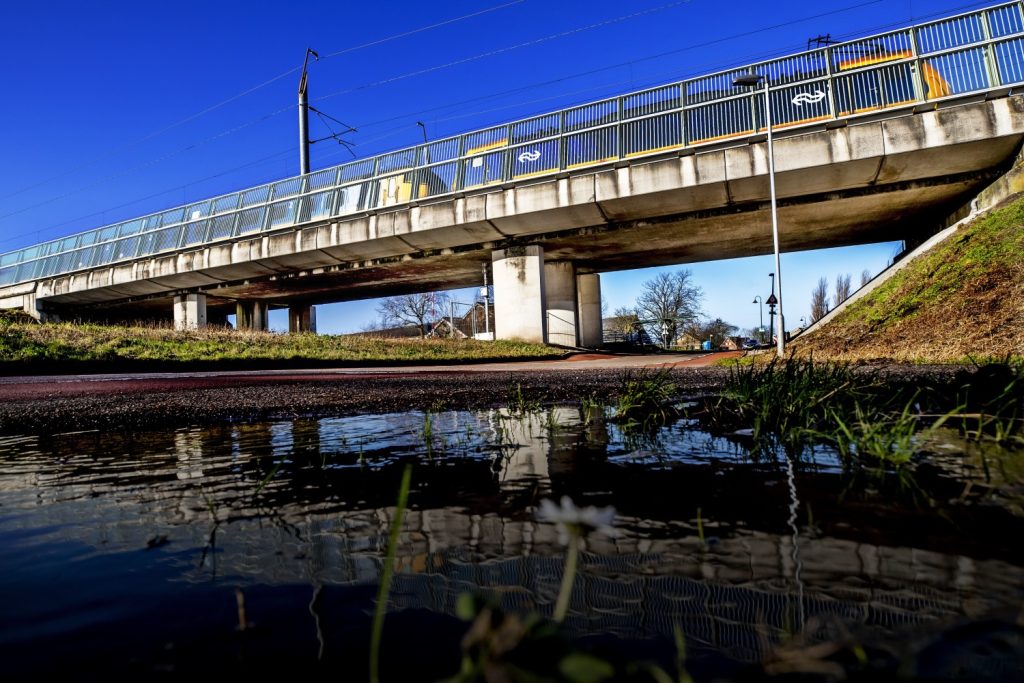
[486,140]
[438,179]
[396,161]
[483,170]
[349,199]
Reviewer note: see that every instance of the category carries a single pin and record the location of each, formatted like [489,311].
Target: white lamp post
[751,80]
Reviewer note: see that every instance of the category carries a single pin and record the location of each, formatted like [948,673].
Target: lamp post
[752,80]
[760,317]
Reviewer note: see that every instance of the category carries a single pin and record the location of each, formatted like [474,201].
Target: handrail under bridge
[974,52]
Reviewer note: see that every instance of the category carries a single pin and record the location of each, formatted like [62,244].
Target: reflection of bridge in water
[318,518]
[880,138]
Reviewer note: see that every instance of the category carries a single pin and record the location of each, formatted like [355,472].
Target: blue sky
[117,109]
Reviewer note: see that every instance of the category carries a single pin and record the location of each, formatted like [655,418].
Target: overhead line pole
[304,114]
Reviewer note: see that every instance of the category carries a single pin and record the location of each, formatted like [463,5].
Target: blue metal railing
[973,52]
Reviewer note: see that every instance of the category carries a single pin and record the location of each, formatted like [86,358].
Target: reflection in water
[794,508]
[146,518]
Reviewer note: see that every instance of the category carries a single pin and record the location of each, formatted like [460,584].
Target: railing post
[916,76]
[683,126]
[563,152]
[988,52]
[830,82]
[506,174]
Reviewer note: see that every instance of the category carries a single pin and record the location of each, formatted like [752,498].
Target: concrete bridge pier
[301,319]
[545,302]
[560,300]
[252,315]
[189,311]
[591,330]
[519,293]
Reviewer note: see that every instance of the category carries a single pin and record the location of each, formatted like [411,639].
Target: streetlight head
[749,80]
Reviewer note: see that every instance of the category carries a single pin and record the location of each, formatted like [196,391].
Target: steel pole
[303,128]
[304,114]
[780,347]
[487,313]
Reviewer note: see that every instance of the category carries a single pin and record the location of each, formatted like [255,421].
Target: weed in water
[518,404]
[646,399]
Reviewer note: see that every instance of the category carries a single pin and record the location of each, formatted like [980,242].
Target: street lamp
[752,80]
[760,317]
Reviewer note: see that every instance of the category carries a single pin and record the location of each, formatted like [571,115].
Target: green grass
[962,298]
[32,345]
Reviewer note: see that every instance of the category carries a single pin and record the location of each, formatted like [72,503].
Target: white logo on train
[528,156]
[806,98]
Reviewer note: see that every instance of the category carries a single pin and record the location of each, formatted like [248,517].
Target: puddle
[126,552]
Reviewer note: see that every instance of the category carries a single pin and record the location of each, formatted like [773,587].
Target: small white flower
[575,521]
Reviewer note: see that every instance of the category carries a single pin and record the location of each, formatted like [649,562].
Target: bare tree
[667,299]
[414,309]
[842,292]
[819,300]
[716,331]
[865,277]
[624,321]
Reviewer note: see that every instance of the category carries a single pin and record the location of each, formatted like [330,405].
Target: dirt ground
[53,404]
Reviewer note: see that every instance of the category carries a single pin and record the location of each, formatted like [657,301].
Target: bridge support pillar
[189,311]
[252,315]
[519,293]
[560,303]
[301,319]
[588,288]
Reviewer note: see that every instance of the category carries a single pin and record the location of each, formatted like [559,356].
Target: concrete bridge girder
[839,185]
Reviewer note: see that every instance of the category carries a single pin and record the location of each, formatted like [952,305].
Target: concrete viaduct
[881,173]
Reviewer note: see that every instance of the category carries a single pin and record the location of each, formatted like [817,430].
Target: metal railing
[968,53]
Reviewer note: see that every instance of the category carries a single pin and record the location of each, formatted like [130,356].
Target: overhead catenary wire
[177,188]
[503,50]
[249,91]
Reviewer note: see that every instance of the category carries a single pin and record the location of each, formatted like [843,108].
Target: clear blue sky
[117,109]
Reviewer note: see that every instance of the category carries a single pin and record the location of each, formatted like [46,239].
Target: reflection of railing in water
[971,53]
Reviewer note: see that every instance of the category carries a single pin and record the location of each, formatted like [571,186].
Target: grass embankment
[963,299]
[71,347]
